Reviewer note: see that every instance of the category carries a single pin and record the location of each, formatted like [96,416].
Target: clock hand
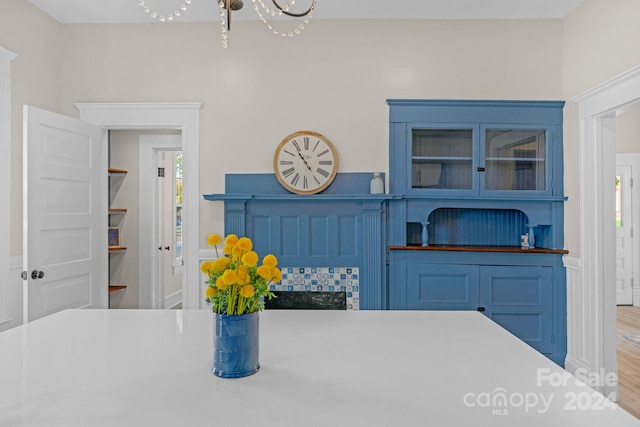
[305,162]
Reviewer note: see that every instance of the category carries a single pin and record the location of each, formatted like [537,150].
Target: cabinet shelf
[117,211]
[516,159]
[434,158]
[116,288]
[116,171]
[117,248]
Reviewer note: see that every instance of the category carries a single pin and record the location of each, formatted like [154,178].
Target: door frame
[633,160]
[6,312]
[597,109]
[149,145]
[182,116]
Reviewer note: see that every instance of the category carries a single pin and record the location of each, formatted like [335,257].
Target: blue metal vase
[236,345]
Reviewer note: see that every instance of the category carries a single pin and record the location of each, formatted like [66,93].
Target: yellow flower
[270,260]
[236,252]
[242,276]
[206,267]
[277,275]
[244,244]
[265,271]
[214,239]
[220,265]
[220,284]
[247,291]
[227,249]
[211,292]
[231,240]
[229,277]
[250,259]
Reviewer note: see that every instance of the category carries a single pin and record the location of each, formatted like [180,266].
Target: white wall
[628,132]
[334,79]
[601,40]
[35,37]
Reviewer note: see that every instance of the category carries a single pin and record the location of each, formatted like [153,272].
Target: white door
[161,278]
[624,234]
[65,214]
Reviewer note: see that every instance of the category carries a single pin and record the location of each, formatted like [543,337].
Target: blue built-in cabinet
[344,226]
[469,179]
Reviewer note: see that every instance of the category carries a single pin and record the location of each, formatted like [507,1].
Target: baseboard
[171,301]
[636,297]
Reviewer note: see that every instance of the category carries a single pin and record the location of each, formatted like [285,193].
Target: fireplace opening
[317,288]
[307,300]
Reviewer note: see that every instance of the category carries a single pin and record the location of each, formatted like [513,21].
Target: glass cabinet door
[442,159]
[515,159]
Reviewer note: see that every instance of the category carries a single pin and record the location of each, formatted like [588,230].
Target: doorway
[594,300]
[161,205]
[185,118]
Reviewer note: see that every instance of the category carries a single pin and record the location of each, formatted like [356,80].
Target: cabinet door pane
[442,159]
[515,159]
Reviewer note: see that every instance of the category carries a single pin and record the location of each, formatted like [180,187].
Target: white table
[319,368]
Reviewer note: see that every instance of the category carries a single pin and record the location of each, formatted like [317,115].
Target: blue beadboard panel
[498,227]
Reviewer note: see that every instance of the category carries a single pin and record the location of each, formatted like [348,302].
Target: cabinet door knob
[35,274]
[481,309]
[480,169]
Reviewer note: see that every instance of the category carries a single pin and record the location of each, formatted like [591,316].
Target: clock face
[305,162]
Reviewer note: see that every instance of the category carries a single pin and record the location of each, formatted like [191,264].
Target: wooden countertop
[454,248]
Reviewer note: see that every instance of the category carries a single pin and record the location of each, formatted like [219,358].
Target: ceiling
[128,11]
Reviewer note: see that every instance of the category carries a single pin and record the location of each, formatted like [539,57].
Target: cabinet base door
[519,299]
[442,287]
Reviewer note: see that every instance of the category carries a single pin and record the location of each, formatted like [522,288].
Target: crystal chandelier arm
[295,15]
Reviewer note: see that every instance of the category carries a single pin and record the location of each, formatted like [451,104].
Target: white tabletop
[318,368]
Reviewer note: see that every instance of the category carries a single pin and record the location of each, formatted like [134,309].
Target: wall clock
[305,162]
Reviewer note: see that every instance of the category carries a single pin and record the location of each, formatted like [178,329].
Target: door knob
[166,248]
[35,274]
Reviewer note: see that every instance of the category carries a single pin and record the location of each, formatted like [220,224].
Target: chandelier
[228,6]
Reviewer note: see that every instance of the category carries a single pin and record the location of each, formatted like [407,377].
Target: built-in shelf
[116,171]
[117,248]
[117,211]
[116,288]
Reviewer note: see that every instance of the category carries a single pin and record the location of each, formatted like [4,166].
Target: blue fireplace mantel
[344,226]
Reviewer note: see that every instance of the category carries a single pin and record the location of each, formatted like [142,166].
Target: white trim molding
[6,57]
[184,116]
[579,324]
[597,109]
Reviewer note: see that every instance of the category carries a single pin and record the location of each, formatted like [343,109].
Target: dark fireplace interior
[307,300]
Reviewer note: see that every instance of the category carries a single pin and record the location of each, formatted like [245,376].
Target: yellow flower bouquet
[237,285]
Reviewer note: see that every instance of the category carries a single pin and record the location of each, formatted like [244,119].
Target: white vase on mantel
[377,184]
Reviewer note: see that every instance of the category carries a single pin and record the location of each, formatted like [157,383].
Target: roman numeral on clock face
[295,180]
[322,172]
[287,172]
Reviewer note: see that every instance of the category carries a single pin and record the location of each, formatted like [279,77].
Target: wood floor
[629,360]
